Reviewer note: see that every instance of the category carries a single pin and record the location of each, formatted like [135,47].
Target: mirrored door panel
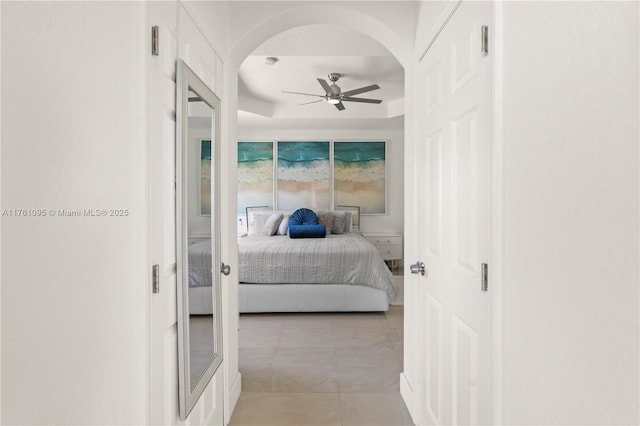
[197,234]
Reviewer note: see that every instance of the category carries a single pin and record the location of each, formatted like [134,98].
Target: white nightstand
[389,244]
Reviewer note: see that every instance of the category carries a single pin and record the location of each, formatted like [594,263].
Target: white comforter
[337,259]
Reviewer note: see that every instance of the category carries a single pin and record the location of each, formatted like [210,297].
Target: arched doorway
[306,15]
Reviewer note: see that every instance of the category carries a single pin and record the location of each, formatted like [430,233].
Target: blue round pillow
[303,217]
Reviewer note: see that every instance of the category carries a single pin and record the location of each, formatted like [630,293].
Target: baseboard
[408,396]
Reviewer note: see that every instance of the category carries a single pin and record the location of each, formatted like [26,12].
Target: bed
[337,273]
[341,272]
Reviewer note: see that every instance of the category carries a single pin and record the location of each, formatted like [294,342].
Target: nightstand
[389,244]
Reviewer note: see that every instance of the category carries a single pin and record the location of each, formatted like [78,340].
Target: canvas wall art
[304,175]
[360,175]
[255,175]
[205,177]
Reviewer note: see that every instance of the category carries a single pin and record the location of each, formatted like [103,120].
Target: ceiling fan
[335,96]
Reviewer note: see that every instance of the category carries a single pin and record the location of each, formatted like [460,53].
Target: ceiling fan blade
[361,90]
[364,100]
[312,102]
[340,106]
[306,94]
[325,86]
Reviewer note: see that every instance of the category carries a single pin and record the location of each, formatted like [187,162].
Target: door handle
[225,269]
[418,268]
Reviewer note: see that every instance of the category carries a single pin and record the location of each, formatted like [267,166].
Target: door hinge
[155,40]
[485,40]
[485,277]
[155,274]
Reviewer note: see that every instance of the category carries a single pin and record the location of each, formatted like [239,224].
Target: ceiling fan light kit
[335,96]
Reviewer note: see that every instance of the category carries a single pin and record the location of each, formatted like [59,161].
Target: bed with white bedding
[342,272]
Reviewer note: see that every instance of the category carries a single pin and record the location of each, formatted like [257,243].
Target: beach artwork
[255,175]
[360,176]
[205,177]
[304,175]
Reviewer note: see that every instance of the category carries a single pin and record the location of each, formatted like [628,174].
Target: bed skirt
[310,298]
[200,300]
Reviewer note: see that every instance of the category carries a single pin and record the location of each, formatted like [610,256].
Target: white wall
[397,15]
[394,135]
[570,212]
[74,293]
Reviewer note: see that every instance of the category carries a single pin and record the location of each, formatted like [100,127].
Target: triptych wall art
[309,173]
[255,174]
[304,175]
[360,176]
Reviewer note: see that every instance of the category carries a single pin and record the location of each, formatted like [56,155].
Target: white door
[163,349]
[454,211]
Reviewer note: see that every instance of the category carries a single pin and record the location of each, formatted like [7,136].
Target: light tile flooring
[321,369]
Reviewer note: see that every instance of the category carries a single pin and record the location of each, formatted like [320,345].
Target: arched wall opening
[300,17]
[309,15]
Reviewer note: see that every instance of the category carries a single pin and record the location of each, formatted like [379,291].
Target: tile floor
[321,369]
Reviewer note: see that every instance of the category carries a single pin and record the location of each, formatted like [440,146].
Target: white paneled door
[163,340]
[453,178]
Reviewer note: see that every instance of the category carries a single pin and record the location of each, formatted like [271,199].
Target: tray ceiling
[310,52]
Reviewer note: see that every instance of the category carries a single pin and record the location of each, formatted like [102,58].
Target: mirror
[197,236]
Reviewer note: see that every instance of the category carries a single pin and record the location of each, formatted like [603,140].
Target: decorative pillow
[284,225]
[272,223]
[303,217]
[326,219]
[339,222]
[307,231]
[348,225]
[257,221]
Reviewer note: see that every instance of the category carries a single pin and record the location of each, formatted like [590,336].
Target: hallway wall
[570,214]
[74,347]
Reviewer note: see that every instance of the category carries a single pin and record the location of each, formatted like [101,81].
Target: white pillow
[339,222]
[272,223]
[257,221]
[284,225]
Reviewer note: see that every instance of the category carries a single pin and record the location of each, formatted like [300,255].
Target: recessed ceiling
[310,52]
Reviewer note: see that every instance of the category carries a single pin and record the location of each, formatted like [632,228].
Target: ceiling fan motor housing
[334,76]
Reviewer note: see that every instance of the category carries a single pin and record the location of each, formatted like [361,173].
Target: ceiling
[310,52]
